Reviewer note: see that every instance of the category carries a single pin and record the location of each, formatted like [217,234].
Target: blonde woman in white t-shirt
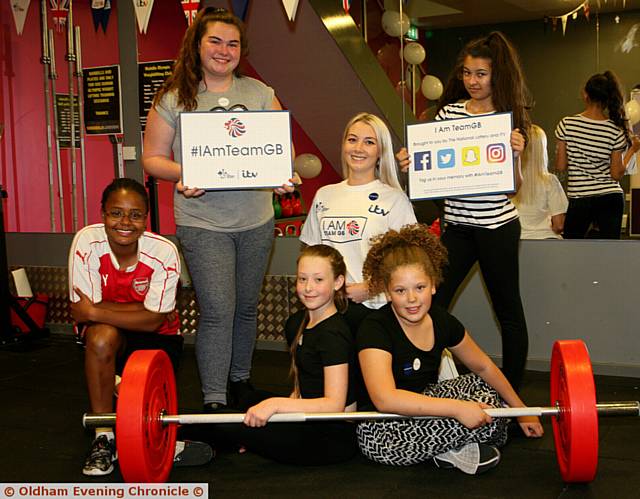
[368,202]
[541,201]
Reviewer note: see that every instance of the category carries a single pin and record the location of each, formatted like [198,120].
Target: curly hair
[338,268]
[411,245]
[509,92]
[187,71]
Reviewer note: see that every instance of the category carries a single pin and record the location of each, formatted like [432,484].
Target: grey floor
[43,398]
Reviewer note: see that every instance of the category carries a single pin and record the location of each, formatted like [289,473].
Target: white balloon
[393,24]
[409,80]
[414,53]
[307,165]
[632,109]
[431,87]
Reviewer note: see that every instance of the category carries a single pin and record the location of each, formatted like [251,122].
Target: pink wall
[23,151]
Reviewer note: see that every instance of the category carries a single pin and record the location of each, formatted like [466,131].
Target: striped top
[589,147]
[487,211]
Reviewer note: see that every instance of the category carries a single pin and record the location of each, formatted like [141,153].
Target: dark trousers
[496,251]
[606,211]
[306,444]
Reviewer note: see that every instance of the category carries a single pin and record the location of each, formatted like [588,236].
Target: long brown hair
[187,71]
[509,90]
[411,245]
[338,268]
[605,89]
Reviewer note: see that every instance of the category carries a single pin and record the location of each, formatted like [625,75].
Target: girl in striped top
[591,146]
[487,78]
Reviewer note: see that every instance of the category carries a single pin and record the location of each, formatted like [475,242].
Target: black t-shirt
[328,343]
[413,368]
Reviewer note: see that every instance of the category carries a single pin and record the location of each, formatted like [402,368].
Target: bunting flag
[190,8]
[19,9]
[100,10]
[586,9]
[143,13]
[240,8]
[291,6]
[59,11]
[346,5]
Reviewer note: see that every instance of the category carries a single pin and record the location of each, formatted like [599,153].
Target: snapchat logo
[471,156]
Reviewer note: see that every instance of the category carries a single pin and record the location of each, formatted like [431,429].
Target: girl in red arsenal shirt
[122,287]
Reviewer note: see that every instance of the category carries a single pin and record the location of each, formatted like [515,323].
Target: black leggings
[496,250]
[605,210]
[307,444]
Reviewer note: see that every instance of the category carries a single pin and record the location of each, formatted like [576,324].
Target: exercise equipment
[146,421]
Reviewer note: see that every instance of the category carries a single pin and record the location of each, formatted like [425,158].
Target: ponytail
[509,91]
[606,90]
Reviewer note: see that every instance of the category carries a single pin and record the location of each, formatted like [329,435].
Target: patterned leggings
[412,441]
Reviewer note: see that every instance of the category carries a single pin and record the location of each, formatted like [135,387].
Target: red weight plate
[145,446]
[576,428]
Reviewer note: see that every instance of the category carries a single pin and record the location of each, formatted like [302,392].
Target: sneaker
[99,460]
[192,453]
[471,459]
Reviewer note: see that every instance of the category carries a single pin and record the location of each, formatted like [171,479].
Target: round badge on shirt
[223,101]
[416,364]
[373,196]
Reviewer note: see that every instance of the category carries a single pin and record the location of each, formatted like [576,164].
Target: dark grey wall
[556,66]
[570,289]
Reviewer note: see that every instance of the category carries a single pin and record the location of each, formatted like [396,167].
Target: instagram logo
[496,153]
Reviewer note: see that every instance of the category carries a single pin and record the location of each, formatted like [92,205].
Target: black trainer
[471,459]
[214,408]
[100,458]
[192,453]
[239,392]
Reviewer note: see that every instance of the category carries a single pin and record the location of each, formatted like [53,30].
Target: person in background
[225,235]
[595,147]
[541,201]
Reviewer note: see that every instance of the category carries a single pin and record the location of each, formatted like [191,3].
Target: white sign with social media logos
[462,157]
[236,150]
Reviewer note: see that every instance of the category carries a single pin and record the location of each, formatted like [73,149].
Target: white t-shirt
[346,216]
[535,218]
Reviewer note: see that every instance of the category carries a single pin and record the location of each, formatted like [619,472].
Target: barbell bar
[146,420]
[90,420]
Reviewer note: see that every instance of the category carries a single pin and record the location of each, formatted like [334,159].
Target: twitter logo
[446,158]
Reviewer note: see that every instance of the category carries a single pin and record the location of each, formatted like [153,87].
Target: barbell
[146,420]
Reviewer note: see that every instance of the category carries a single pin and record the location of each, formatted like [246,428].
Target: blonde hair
[386,170]
[535,175]
[338,268]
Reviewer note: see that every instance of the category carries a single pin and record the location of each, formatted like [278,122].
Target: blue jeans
[227,270]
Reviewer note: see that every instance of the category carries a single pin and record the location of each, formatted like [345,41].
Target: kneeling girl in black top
[322,367]
[400,347]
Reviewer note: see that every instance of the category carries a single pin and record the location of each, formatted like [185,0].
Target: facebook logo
[422,161]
